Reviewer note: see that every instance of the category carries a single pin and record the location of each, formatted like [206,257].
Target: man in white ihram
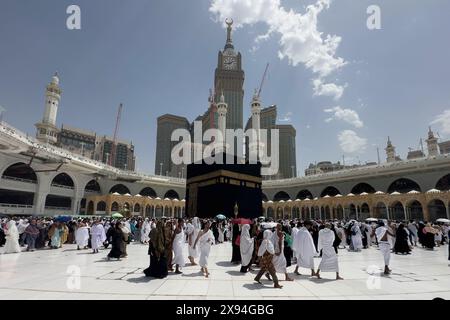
[329,261]
[305,249]
[382,234]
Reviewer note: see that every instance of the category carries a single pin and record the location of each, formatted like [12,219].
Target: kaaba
[213,189]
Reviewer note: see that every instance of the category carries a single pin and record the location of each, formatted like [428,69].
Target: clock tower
[229,81]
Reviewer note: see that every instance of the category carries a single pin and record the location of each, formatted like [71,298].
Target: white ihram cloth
[266,244]
[293,234]
[385,246]
[279,261]
[246,245]
[329,260]
[221,237]
[206,240]
[98,236]
[356,237]
[305,249]
[82,236]
[145,231]
[178,249]
[12,238]
[192,231]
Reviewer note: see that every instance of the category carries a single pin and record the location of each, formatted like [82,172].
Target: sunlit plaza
[53,274]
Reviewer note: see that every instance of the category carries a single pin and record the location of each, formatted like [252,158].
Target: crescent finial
[229,21]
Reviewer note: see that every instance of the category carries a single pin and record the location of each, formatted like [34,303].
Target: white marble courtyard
[45,274]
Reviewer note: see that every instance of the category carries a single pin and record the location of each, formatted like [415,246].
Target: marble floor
[71,274]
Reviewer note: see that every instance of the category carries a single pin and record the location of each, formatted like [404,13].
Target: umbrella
[241,221]
[63,219]
[443,220]
[262,218]
[268,225]
[372,219]
[221,217]
[117,215]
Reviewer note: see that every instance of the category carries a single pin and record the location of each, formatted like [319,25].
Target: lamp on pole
[182,172]
[160,168]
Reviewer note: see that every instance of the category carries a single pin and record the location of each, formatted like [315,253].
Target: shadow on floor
[142,279]
[257,286]
[235,273]
[226,264]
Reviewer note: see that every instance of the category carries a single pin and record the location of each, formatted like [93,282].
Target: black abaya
[117,243]
[158,264]
[401,242]
[236,253]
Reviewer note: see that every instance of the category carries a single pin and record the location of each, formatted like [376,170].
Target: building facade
[37,178]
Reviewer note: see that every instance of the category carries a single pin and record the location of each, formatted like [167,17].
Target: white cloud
[350,142]
[328,89]
[286,117]
[300,41]
[347,115]
[443,121]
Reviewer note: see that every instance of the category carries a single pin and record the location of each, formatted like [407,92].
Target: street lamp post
[292,167]
[160,168]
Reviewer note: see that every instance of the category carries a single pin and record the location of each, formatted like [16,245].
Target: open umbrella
[117,215]
[262,218]
[443,220]
[63,219]
[372,219]
[268,225]
[221,217]
[241,221]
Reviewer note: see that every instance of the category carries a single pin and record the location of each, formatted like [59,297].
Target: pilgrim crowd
[264,244]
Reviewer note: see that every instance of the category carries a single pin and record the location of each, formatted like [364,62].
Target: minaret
[256,113]
[432,144]
[256,146]
[46,129]
[390,151]
[222,121]
[222,115]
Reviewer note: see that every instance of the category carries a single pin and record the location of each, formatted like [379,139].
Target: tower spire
[229,44]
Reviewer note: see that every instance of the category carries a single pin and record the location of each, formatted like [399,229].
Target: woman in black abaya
[118,240]
[401,240]
[158,261]
[236,254]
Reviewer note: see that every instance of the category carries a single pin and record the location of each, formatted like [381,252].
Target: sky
[344,87]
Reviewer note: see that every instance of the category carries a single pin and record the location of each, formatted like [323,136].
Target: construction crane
[114,142]
[262,80]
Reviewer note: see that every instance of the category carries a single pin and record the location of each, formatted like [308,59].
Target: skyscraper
[288,164]
[166,125]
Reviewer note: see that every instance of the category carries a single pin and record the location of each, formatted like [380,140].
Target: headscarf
[246,245]
[12,229]
[266,244]
[196,223]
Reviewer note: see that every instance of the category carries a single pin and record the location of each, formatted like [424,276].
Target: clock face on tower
[229,63]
